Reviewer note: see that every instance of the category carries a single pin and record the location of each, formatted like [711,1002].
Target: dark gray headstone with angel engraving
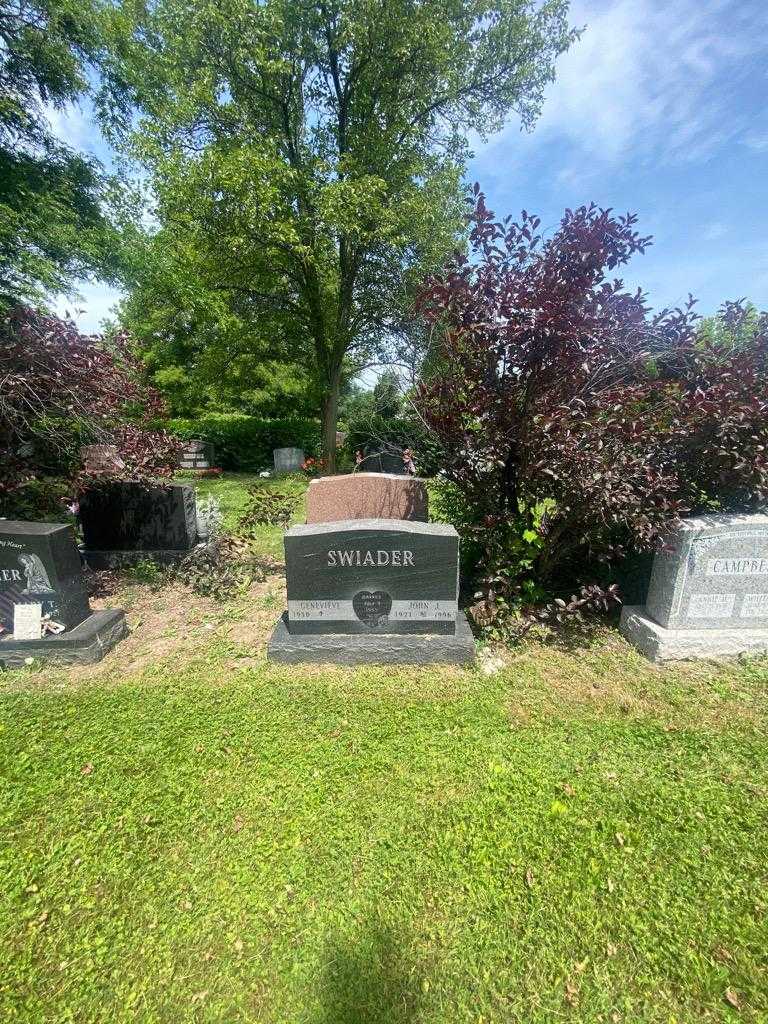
[42,584]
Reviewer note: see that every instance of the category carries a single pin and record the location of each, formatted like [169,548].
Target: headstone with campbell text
[372,590]
[708,592]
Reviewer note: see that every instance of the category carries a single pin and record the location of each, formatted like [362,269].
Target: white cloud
[754,140]
[713,231]
[71,125]
[649,80]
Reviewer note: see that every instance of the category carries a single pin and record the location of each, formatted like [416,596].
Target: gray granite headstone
[382,462]
[708,594]
[712,574]
[372,591]
[196,454]
[288,460]
[372,575]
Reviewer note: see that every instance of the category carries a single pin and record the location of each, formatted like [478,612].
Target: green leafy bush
[220,569]
[266,507]
[40,500]
[246,443]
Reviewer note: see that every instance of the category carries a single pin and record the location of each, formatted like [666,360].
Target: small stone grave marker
[288,460]
[196,454]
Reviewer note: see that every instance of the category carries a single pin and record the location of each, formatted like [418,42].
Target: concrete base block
[374,648]
[85,644]
[661,644]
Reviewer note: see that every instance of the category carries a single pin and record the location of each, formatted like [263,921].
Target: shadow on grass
[368,980]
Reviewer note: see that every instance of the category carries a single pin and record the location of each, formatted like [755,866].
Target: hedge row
[246,442]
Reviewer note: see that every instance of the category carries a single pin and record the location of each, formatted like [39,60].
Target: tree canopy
[52,225]
[308,157]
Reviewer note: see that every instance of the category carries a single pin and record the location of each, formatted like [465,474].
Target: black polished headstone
[372,576]
[382,462]
[139,517]
[40,563]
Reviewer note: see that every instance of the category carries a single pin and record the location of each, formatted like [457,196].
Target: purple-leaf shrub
[572,416]
[60,387]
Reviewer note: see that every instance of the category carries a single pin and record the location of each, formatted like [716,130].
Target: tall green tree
[52,226]
[311,154]
[201,345]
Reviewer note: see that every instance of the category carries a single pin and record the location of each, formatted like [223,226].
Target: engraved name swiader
[379,557]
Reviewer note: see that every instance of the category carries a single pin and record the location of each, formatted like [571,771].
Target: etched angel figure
[37,577]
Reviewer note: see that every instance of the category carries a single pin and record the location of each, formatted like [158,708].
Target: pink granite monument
[366,496]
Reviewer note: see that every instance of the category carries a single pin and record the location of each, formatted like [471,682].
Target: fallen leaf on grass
[238,945]
[238,823]
[732,999]
[529,878]
[86,769]
[620,839]
[200,997]
[611,885]
[571,994]
[610,949]
[569,790]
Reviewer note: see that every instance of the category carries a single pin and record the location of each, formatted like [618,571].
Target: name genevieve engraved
[737,567]
[378,558]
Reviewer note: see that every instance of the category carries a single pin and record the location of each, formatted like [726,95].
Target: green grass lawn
[231,492]
[190,834]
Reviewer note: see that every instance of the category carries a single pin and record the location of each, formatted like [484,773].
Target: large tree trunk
[330,421]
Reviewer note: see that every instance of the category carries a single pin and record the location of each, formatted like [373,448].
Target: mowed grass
[205,837]
[231,493]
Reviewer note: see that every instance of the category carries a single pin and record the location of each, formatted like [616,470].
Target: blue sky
[661,108]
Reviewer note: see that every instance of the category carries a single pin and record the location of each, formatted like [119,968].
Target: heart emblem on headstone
[371,606]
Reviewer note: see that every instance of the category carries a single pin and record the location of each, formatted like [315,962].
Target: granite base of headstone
[44,607]
[288,460]
[196,455]
[367,496]
[708,594]
[129,522]
[372,591]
